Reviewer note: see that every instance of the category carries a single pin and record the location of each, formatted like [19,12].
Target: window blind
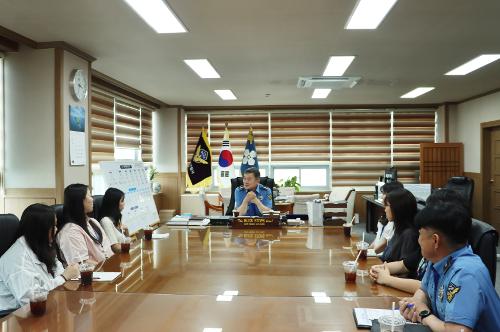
[361,147]
[359,144]
[411,129]
[127,125]
[117,122]
[300,138]
[147,134]
[102,127]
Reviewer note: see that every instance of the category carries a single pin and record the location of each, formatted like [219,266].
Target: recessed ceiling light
[158,15]
[202,67]
[322,299]
[368,14]
[212,329]
[320,93]
[417,92]
[226,94]
[337,65]
[474,64]
[231,293]
[224,298]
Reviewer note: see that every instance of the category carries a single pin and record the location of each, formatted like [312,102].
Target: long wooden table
[288,262]
[96,311]
[172,284]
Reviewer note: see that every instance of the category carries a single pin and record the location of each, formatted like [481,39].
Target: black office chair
[58,208]
[97,206]
[238,181]
[464,186]
[8,231]
[484,241]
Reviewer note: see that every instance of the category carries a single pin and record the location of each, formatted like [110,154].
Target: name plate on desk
[257,222]
[257,234]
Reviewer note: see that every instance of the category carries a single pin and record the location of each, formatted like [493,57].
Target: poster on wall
[77,150]
[130,177]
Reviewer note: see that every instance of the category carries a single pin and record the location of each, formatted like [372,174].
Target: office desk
[267,263]
[94,311]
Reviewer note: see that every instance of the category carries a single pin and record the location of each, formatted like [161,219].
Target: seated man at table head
[252,198]
[456,292]
[31,262]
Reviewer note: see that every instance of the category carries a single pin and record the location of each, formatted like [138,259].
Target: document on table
[103,276]
[364,316]
[161,236]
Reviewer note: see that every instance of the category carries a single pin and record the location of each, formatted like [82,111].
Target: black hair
[444,195]
[37,221]
[74,212]
[449,218]
[390,186]
[254,171]
[111,206]
[403,207]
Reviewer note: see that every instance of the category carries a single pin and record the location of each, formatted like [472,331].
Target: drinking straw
[393,318]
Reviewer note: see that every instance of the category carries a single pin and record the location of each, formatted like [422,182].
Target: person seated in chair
[252,198]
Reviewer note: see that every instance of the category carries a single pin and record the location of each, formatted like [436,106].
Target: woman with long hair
[81,238]
[31,262]
[401,207]
[110,216]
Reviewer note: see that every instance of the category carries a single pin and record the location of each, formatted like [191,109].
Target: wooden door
[494,182]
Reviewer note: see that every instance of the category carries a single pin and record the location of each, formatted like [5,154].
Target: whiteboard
[130,177]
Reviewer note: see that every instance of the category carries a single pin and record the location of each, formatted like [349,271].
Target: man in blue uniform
[456,292]
[252,198]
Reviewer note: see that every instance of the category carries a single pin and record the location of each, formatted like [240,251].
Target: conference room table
[176,284]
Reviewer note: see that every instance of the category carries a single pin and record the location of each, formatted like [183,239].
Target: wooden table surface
[287,262]
[95,311]
[172,284]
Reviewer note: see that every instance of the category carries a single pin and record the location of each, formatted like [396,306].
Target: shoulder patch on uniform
[270,196]
[452,291]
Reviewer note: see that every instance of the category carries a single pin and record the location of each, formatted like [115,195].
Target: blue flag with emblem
[250,154]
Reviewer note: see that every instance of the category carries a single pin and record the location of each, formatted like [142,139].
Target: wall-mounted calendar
[130,177]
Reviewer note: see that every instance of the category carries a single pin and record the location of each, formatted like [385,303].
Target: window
[322,148]
[120,129]
[310,177]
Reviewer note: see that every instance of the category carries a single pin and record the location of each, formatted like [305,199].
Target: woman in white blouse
[31,262]
[110,216]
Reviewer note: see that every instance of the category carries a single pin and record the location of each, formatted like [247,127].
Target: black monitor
[391,175]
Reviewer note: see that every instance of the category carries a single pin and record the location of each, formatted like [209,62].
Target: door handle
[492,181]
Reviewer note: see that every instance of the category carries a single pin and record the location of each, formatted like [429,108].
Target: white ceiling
[262,46]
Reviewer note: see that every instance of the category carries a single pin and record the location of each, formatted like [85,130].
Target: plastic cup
[236,213]
[86,274]
[363,247]
[148,233]
[386,323]
[350,268]
[38,302]
[347,230]
[125,246]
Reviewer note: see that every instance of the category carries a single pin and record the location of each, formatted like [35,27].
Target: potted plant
[289,186]
[152,173]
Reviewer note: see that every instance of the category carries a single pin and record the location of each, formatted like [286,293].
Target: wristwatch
[424,313]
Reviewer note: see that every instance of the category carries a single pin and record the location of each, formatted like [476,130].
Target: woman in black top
[401,207]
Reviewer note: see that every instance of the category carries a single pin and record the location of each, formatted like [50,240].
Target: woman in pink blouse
[81,238]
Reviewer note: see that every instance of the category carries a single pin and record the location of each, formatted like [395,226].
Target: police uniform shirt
[460,291]
[263,194]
